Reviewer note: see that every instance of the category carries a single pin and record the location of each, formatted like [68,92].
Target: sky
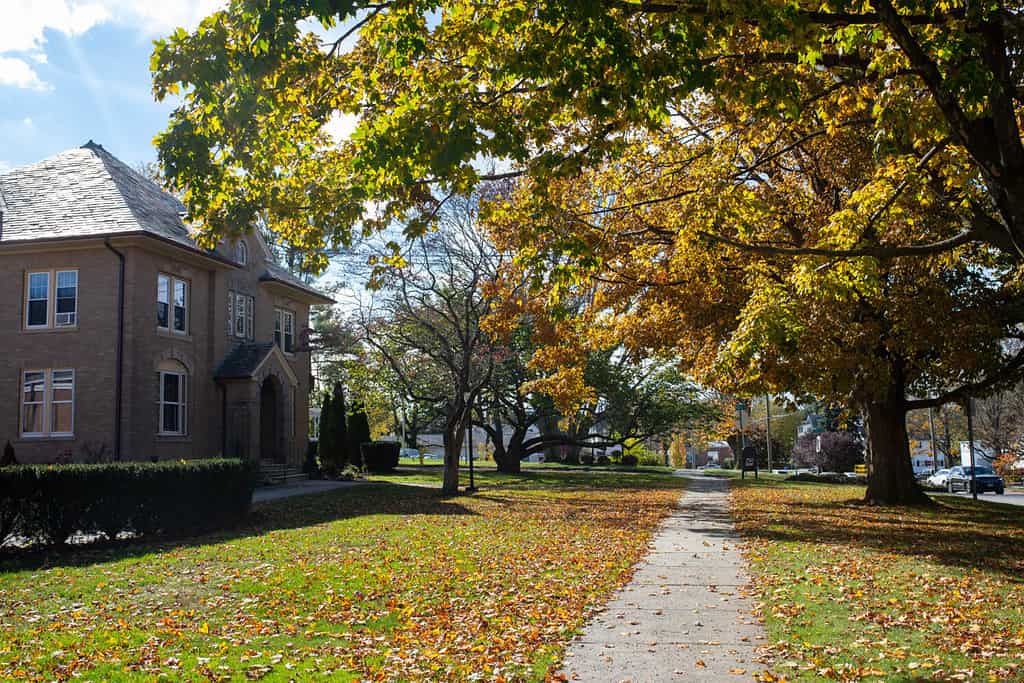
[78,70]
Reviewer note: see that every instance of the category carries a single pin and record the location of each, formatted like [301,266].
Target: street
[1014,496]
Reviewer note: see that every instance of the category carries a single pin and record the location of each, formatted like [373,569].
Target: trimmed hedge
[380,456]
[49,503]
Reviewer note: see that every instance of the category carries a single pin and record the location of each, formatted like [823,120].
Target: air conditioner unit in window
[64,319]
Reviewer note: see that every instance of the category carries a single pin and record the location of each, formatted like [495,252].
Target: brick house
[125,340]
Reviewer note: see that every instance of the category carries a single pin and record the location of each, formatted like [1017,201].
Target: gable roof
[243,361]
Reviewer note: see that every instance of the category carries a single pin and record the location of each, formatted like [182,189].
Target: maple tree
[559,88]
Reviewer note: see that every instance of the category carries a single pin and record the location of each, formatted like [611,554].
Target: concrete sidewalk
[301,488]
[682,617]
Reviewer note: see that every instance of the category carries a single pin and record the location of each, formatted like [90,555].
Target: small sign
[749,462]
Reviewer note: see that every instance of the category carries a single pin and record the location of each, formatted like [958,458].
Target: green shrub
[49,503]
[649,459]
[629,460]
[587,459]
[380,456]
[603,460]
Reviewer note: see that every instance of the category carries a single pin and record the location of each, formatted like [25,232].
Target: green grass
[377,581]
[854,592]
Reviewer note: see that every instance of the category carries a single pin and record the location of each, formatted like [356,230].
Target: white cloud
[17,73]
[25,22]
[5,166]
[160,17]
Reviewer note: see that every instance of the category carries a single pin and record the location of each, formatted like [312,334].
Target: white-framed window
[240,313]
[242,252]
[173,402]
[172,304]
[37,306]
[48,403]
[66,310]
[284,329]
[62,403]
[51,299]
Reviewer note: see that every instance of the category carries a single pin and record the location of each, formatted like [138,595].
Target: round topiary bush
[604,460]
[629,460]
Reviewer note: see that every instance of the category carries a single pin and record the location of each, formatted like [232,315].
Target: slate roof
[88,192]
[242,361]
[276,273]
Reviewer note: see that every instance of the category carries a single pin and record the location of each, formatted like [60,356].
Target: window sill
[173,335]
[42,330]
[177,438]
[25,439]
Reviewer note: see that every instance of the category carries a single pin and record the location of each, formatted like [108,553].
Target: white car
[939,479]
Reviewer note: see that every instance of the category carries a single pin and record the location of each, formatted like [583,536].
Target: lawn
[383,581]
[852,592]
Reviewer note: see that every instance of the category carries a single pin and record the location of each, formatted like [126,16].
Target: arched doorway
[270,395]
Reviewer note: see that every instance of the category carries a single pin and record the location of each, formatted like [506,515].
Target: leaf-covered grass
[380,581]
[853,592]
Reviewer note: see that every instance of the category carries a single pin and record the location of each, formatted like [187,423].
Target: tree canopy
[778,184]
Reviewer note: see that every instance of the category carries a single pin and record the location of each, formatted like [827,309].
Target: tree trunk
[452,451]
[510,459]
[890,473]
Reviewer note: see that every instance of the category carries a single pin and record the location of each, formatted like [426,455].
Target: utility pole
[768,428]
[931,436]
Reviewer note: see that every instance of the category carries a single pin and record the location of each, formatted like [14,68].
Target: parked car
[939,479]
[984,478]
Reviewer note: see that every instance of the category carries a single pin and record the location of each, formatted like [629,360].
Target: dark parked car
[986,479]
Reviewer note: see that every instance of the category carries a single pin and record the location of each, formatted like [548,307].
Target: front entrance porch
[258,389]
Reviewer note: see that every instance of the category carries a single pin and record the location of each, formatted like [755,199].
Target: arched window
[243,252]
[172,400]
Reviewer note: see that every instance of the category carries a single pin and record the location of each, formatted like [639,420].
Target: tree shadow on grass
[955,532]
[376,498]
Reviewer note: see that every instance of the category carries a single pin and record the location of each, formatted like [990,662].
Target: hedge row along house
[126,341]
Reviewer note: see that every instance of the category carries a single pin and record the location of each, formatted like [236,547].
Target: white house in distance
[921,457]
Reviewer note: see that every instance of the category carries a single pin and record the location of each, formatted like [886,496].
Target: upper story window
[284,329]
[240,315]
[171,304]
[242,252]
[51,299]
[47,403]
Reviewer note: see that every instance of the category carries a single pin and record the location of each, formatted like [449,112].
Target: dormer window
[242,252]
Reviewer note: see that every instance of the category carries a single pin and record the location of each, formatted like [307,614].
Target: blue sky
[78,70]
[75,70]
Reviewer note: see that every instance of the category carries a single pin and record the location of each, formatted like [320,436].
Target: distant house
[717,452]
[921,457]
[125,339]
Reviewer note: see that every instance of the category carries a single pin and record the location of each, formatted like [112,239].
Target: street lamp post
[469,438]
[970,439]
[768,428]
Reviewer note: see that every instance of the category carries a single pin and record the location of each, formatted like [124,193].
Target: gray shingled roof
[242,361]
[86,192]
[276,273]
